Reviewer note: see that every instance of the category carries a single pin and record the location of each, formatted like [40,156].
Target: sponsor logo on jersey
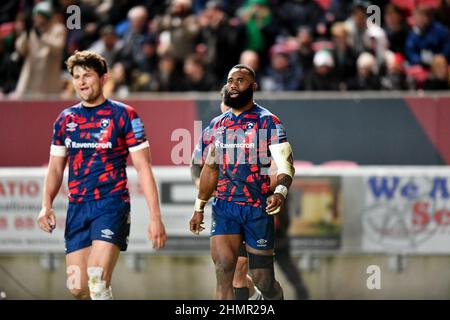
[68,143]
[87,145]
[241,145]
[138,128]
[71,126]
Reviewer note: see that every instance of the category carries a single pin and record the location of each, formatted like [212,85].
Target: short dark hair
[223,91]
[87,59]
[246,67]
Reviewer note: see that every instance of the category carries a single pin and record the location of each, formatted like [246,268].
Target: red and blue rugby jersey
[242,147]
[97,141]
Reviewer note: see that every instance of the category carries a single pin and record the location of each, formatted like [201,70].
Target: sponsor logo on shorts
[106,233]
[261,243]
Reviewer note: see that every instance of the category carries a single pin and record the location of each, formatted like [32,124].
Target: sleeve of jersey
[207,139]
[58,146]
[276,131]
[133,130]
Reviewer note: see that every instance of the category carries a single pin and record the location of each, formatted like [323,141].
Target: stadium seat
[344,164]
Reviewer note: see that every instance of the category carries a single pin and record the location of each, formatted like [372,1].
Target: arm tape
[281,153]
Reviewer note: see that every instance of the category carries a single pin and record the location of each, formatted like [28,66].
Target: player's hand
[274,204]
[157,233]
[46,220]
[196,223]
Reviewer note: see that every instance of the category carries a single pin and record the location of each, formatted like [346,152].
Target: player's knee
[224,266]
[98,285]
[80,294]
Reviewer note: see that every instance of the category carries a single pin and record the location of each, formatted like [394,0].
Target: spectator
[197,77]
[223,38]
[305,51]
[395,78]
[167,77]
[108,46]
[42,48]
[322,78]
[147,59]
[339,10]
[300,13]
[439,77]
[427,38]
[443,13]
[251,58]
[134,36]
[396,28]
[178,30]
[260,26]
[376,43]
[343,55]
[366,79]
[10,60]
[283,74]
[356,26]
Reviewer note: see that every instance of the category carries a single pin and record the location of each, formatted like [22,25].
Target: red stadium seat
[302,164]
[5,29]
[324,3]
[344,164]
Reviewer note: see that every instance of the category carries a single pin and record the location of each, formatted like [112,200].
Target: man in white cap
[321,78]
[42,47]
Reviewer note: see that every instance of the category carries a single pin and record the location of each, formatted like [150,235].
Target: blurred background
[361,86]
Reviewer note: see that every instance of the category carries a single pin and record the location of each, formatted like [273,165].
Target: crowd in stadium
[189,45]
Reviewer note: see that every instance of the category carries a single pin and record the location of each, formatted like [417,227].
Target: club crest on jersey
[104,123]
[71,126]
[250,125]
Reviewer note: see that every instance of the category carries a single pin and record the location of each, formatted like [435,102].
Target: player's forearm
[285,180]
[54,41]
[196,169]
[22,44]
[150,191]
[52,184]
[208,181]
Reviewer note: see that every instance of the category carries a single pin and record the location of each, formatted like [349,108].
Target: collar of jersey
[245,112]
[94,107]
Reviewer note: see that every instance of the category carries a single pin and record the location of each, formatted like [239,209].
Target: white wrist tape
[281,190]
[282,155]
[199,205]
